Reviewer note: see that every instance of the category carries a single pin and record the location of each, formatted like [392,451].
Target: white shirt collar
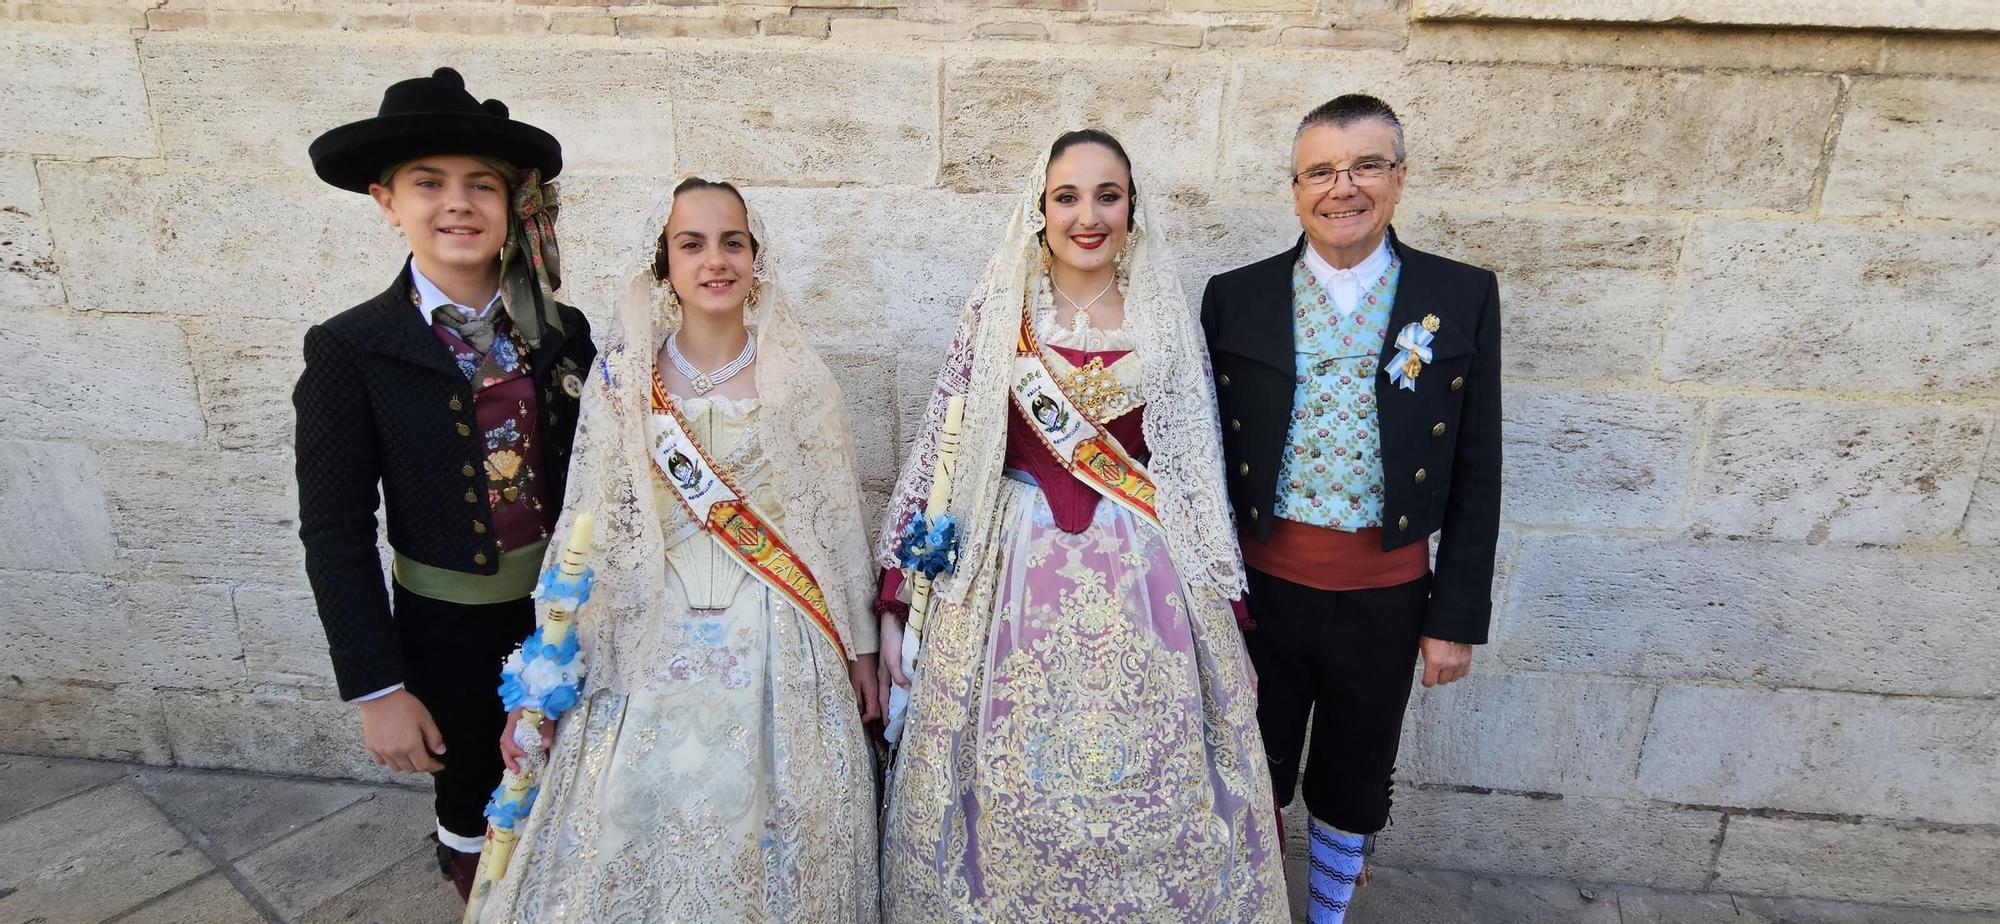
[1367,272]
[430,297]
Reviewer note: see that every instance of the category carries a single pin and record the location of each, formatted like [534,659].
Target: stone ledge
[108,721]
[1939,15]
[1780,614]
[1860,862]
[1829,754]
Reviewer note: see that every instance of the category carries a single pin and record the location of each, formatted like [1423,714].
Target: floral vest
[1331,472]
[503,403]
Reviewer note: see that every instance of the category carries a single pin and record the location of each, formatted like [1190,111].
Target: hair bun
[449,76]
[494,107]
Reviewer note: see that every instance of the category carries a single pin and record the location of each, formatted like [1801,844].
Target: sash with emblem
[711,499]
[1081,443]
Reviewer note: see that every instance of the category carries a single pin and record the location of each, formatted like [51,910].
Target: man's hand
[862,672]
[511,753]
[400,734]
[1444,662]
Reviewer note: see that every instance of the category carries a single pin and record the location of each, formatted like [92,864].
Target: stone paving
[87,841]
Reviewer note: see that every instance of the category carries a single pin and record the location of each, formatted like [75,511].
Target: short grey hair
[1342,111]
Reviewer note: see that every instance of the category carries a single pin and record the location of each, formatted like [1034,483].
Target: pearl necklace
[1080,321]
[704,382]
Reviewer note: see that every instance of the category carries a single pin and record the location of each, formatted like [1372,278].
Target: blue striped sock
[1336,864]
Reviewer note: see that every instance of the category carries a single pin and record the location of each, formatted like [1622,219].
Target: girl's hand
[511,753]
[861,673]
[892,656]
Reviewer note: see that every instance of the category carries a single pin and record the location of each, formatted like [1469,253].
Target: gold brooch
[1096,390]
[1431,323]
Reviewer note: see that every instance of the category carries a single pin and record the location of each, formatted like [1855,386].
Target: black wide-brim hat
[426,116]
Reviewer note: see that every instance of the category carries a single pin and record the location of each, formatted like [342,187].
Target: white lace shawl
[1180,422]
[800,428]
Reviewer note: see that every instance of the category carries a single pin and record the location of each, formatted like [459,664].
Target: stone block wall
[1746,633]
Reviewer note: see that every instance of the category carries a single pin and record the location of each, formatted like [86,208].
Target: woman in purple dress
[1081,739]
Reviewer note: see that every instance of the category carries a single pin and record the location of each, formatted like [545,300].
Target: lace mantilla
[1180,423]
[800,430]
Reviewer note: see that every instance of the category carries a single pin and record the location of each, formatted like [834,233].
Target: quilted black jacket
[382,406]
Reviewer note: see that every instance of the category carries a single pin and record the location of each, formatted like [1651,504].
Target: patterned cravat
[476,331]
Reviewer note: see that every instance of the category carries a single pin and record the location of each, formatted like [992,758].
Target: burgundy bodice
[1071,502]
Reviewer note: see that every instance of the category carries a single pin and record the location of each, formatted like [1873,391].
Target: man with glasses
[1358,380]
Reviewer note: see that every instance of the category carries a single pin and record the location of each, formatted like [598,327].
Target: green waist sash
[519,570]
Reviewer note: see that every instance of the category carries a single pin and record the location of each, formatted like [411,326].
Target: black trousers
[452,654]
[1343,659]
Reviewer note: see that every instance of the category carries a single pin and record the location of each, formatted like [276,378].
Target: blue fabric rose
[929,548]
[559,700]
[512,692]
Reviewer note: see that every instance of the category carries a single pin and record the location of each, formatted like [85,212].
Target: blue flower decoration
[515,691]
[511,691]
[533,647]
[929,548]
[563,593]
[504,813]
[559,700]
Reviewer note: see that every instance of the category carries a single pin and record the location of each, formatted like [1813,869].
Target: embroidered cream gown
[739,787]
[1082,739]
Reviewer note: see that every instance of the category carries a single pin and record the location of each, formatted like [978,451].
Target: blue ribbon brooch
[1413,346]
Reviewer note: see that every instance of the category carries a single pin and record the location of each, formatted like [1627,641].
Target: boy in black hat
[454,392]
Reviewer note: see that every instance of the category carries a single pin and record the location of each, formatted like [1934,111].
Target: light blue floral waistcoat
[1331,474]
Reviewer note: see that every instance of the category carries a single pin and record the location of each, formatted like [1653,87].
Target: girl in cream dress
[715,769]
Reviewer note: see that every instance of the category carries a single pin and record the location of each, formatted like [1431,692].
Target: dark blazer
[1440,443]
[381,403]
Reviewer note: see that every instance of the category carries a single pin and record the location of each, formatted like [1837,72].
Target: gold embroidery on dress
[1066,722]
[734,785]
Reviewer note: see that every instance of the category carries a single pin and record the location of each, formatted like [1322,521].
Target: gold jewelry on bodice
[1097,391]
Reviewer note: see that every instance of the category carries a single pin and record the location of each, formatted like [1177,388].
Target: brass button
[479,558]
[478,527]
[1457,382]
[464,430]
[1235,424]
[456,404]
[1420,476]
[1242,468]
[1402,522]
[471,498]
[1253,513]
[1438,430]
[1224,379]
[468,471]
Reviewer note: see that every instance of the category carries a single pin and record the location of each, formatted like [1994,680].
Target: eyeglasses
[1365,173]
